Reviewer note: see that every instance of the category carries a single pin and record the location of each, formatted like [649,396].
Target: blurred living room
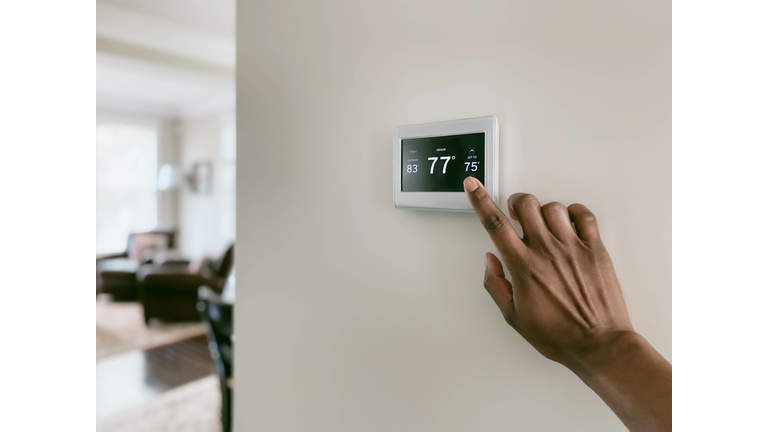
[165,214]
[265,155]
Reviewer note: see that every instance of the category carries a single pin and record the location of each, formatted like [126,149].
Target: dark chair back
[223,265]
[218,316]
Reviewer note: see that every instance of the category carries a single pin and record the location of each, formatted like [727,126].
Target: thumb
[498,286]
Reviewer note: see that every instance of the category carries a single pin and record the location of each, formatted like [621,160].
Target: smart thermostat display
[440,164]
[432,160]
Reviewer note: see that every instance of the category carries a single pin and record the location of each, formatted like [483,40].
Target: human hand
[563,297]
[565,300]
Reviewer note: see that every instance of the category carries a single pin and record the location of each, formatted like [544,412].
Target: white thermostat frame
[449,201]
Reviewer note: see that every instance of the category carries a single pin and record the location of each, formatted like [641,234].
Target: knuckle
[527,200]
[493,222]
[587,216]
[553,208]
[555,205]
[582,213]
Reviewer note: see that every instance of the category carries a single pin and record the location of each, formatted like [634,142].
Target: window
[126,183]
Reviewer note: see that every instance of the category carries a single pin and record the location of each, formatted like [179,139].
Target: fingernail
[486,260]
[470,184]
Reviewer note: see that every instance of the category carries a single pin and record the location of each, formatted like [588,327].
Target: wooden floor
[129,379]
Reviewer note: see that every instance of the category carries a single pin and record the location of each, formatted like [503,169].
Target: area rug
[193,407]
[120,327]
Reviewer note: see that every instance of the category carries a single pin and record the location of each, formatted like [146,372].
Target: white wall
[204,228]
[355,316]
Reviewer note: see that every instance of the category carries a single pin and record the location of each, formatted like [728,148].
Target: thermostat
[431,161]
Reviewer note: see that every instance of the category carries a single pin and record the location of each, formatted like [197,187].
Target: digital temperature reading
[431,161]
[440,164]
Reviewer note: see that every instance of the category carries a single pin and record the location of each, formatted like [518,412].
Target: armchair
[169,292]
[116,273]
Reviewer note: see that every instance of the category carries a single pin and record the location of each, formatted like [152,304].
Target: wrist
[604,351]
[630,376]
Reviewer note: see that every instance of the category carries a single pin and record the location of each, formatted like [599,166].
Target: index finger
[493,219]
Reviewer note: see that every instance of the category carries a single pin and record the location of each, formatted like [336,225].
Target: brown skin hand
[565,300]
